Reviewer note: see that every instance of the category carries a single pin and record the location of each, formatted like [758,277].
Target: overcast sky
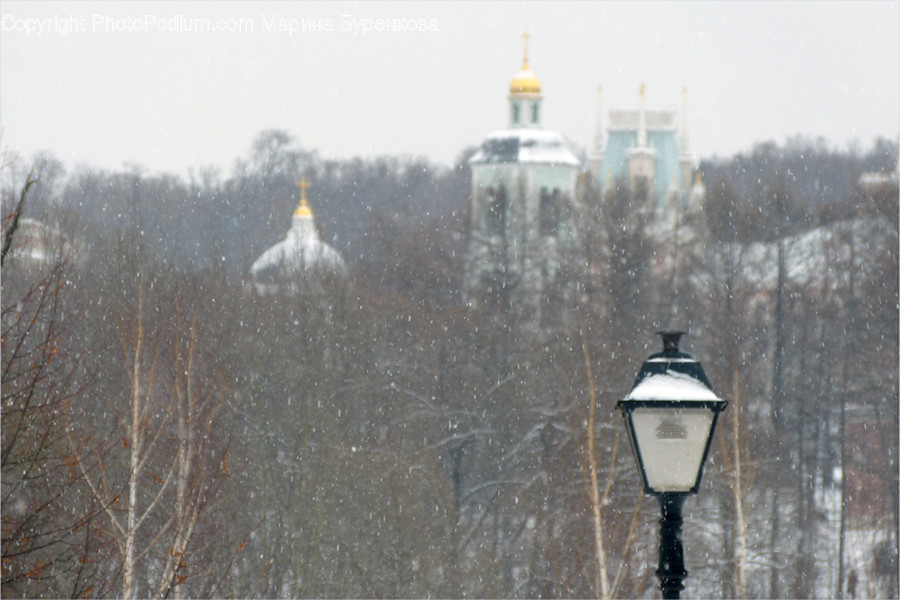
[99,84]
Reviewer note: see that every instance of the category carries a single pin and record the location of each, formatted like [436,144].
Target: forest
[169,432]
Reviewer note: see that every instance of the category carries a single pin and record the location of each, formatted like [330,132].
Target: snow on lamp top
[671,385]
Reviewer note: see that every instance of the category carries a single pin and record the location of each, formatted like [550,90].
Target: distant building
[522,225]
[36,244]
[527,194]
[299,255]
[641,146]
[874,183]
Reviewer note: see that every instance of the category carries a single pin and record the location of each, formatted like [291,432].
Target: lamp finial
[670,340]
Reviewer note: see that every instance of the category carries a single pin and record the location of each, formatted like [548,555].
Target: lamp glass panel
[671,443]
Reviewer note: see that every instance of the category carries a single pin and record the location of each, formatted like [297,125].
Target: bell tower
[522,228]
[525,95]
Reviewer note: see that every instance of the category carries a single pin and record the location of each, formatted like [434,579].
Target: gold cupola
[525,81]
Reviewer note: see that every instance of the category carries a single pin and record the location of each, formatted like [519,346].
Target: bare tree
[158,471]
[200,462]
[142,425]
[604,586]
[48,536]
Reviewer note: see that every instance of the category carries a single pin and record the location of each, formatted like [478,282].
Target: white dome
[294,257]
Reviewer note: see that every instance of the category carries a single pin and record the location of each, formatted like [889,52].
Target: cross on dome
[525,37]
[525,82]
[303,209]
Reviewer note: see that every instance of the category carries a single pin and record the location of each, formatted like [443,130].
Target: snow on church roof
[525,145]
[300,249]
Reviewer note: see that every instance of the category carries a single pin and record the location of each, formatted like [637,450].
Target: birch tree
[125,493]
[607,581]
[201,461]
[157,467]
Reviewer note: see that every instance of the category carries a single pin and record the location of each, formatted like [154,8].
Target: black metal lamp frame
[671,571]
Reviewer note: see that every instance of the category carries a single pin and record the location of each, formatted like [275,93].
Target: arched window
[549,212]
[495,219]
[516,107]
[535,112]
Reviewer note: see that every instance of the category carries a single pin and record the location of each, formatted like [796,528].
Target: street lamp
[671,414]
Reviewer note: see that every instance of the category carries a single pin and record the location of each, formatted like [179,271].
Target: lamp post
[671,414]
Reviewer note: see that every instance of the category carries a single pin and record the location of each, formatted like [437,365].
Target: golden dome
[303,210]
[525,82]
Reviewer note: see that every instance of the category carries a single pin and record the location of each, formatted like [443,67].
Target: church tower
[645,147]
[522,240]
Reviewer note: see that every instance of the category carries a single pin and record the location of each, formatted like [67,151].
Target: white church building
[290,262]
